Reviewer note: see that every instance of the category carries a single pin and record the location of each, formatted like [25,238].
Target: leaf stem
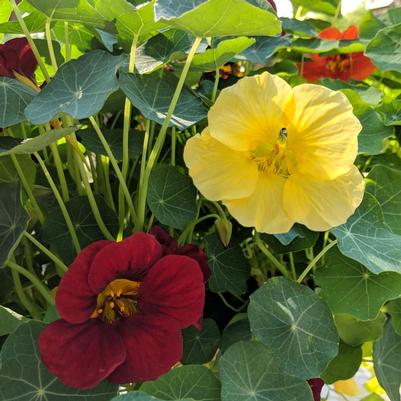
[30,40]
[47,252]
[34,280]
[48,34]
[60,202]
[216,85]
[27,188]
[154,154]
[173,145]
[67,42]
[312,264]
[261,245]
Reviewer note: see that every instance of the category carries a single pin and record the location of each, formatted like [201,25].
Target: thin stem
[48,253]
[105,169]
[115,167]
[312,264]
[270,256]
[92,200]
[292,264]
[27,188]
[173,145]
[216,84]
[188,229]
[337,14]
[60,202]
[49,41]
[30,40]
[226,303]
[44,291]
[67,42]
[144,154]
[25,301]
[154,154]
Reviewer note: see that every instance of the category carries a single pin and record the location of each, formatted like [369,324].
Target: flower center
[339,63]
[117,301]
[274,159]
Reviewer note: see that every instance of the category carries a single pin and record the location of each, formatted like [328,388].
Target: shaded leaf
[235,332]
[230,268]
[137,396]
[200,345]
[13,219]
[14,97]
[79,88]
[9,320]
[393,308]
[24,377]
[250,372]
[152,95]
[295,324]
[172,197]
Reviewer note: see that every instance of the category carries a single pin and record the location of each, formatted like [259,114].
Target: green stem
[44,291]
[27,188]
[173,145]
[312,264]
[226,303]
[115,167]
[126,130]
[292,264]
[92,200]
[216,84]
[144,155]
[49,41]
[25,301]
[60,202]
[67,42]
[30,40]
[270,256]
[48,253]
[105,169]
[337,14]
[184,234]
[154,154]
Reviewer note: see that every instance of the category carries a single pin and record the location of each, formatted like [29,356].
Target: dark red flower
[316,385]
[122,307]
[338,66]
[171,247]
[16,55]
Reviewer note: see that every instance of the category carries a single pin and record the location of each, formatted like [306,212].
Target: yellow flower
[276,155]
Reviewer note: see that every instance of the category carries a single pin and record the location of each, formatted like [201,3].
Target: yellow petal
[324,133]
[347,387]
[218,171]
[264,208]
[251,112]
[321,205]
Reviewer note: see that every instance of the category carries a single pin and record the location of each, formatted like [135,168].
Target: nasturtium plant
[200,200]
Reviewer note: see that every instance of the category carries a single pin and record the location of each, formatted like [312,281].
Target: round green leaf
[230,268]
[137,396]
[172,197]
[200,345]
[9,320]
[295,324]
[350,288]
[356,332]
[249,372]
[190,381]
[14,97]
[387,362]
[393,308]
[79,88]
[234,332]
[24,377]
[366,239]
[344,365]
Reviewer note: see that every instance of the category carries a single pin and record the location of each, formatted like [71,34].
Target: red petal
[153,345]
[362,67]
[81,355]
[316,386]
[313,71]
[273,4]
[9,60]
[131,258]
[331,34]
[168,243]
[75,300]
[174,287]
[351,33]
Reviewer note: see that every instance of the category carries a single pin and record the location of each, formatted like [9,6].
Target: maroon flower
[122,308]
[273,4]
[16,55]
[316,385]
[171,247]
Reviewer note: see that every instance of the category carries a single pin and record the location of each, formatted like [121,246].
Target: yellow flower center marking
[117,301]
[274,159]
[339,63]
